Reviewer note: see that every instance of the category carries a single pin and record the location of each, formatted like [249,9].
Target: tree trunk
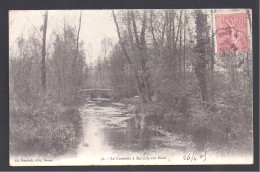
[154,38]
[200,72]
[164,28]
[177,37]
[212,61]
[77,43]
[43,70]
[180,56]
[200,49]
[184,46]
[75,78]
[64,75]
[129,30]
[142,54]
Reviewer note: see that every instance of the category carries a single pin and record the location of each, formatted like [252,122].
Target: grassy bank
[42,128]
[224,125]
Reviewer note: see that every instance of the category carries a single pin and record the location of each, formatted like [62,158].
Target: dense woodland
[165,57]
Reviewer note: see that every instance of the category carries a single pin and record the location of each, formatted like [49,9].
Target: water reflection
[109,126]
[131,137]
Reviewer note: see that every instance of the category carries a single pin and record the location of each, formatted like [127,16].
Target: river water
[110,131]
[111,135]
[110,125]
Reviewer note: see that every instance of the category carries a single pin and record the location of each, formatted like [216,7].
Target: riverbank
[46,129]
[206,127]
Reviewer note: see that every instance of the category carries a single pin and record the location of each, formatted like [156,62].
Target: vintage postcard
[130,87]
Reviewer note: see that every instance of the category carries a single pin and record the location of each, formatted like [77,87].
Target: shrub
[226,128]
[46,130]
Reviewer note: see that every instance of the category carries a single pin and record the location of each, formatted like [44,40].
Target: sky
[96,25]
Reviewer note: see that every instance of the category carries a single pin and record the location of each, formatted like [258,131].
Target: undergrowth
[42,128]
[224,125]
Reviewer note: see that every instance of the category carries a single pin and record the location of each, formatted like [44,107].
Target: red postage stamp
[231,32]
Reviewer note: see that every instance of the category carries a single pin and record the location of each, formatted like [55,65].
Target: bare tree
[43,70]
[184,45]
[77,43]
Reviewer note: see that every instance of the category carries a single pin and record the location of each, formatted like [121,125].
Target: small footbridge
[95,93]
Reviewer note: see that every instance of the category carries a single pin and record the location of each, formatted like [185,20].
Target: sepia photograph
[130,87]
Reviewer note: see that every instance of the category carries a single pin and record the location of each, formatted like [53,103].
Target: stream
[108,131]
